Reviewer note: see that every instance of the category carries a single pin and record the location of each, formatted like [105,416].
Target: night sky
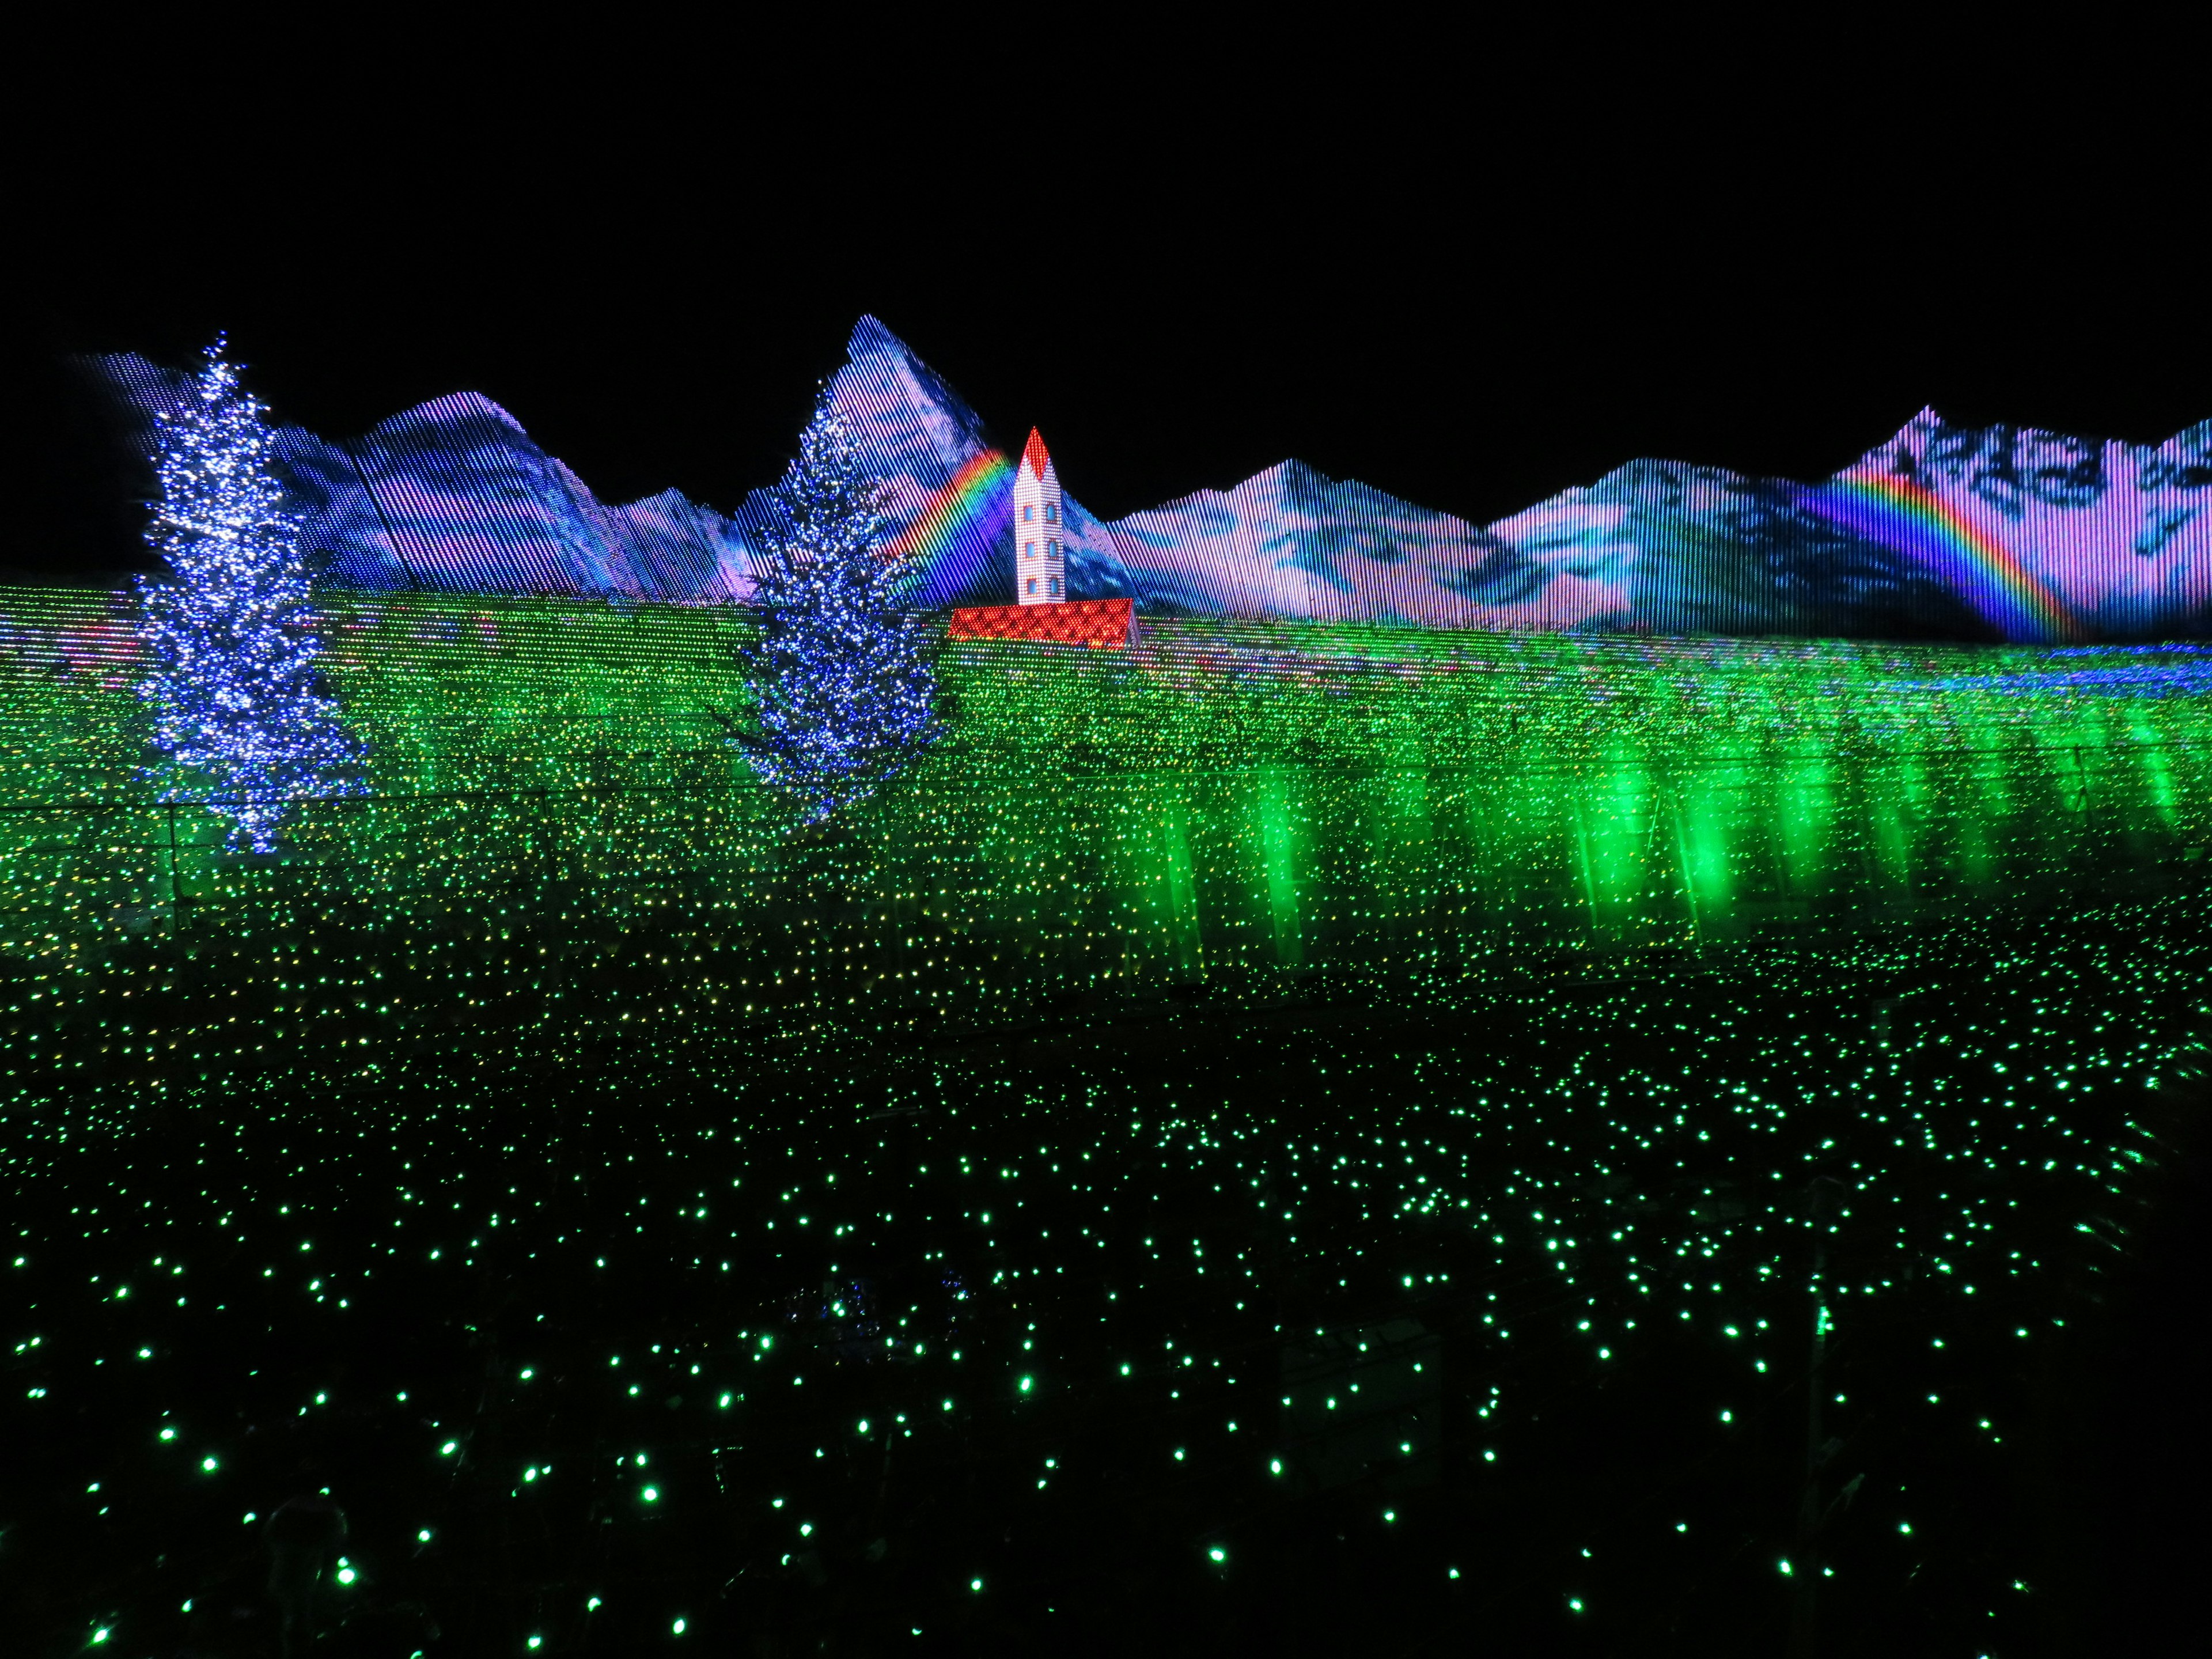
[1468,274]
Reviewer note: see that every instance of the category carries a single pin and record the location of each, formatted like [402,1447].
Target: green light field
[1248,798]
[1283,1123]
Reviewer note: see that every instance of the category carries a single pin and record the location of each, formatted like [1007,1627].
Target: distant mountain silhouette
[1942,531]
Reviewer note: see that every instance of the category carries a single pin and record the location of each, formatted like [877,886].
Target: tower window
[1029,512]
[1029,550]
[1051,513]
[1033,584]
[1055,585]
[1051,549]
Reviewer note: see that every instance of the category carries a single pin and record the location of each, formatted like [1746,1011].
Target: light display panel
[1279,1127]
[1943,531]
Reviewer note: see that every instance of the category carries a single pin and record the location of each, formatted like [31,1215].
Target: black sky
[1469,272]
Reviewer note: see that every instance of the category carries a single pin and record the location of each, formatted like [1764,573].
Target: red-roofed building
[1040,559]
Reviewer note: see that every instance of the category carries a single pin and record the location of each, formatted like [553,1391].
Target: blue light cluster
[237,715]
[842,686]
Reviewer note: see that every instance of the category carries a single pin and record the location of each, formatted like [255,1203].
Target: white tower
[1039,557]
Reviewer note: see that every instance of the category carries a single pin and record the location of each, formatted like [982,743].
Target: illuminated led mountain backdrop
[1941,531]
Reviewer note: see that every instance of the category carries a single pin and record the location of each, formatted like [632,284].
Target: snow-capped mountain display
[452,495]
[1942,531]
[950,488]
[1666,547]
[1290,542]
[2119,535]
[1946,532]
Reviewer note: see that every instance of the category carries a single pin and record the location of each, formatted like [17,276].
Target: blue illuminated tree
[237,714]
[842,680]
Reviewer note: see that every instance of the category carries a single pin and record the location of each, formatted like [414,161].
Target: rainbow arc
[952,536]
[1901,513]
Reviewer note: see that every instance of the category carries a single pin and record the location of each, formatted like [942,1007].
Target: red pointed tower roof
[1033,455]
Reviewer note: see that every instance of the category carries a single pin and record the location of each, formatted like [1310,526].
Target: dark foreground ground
[1298,1323]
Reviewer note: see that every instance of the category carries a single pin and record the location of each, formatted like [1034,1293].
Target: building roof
[1033,453]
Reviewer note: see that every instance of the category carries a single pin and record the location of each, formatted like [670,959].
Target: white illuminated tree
[237,713]
[843,682]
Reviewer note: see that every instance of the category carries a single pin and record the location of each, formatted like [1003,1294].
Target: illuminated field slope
[1251,796]
[1283,1122]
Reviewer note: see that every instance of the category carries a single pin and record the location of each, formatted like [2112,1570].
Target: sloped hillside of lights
[1283,1122]
[1283,769]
